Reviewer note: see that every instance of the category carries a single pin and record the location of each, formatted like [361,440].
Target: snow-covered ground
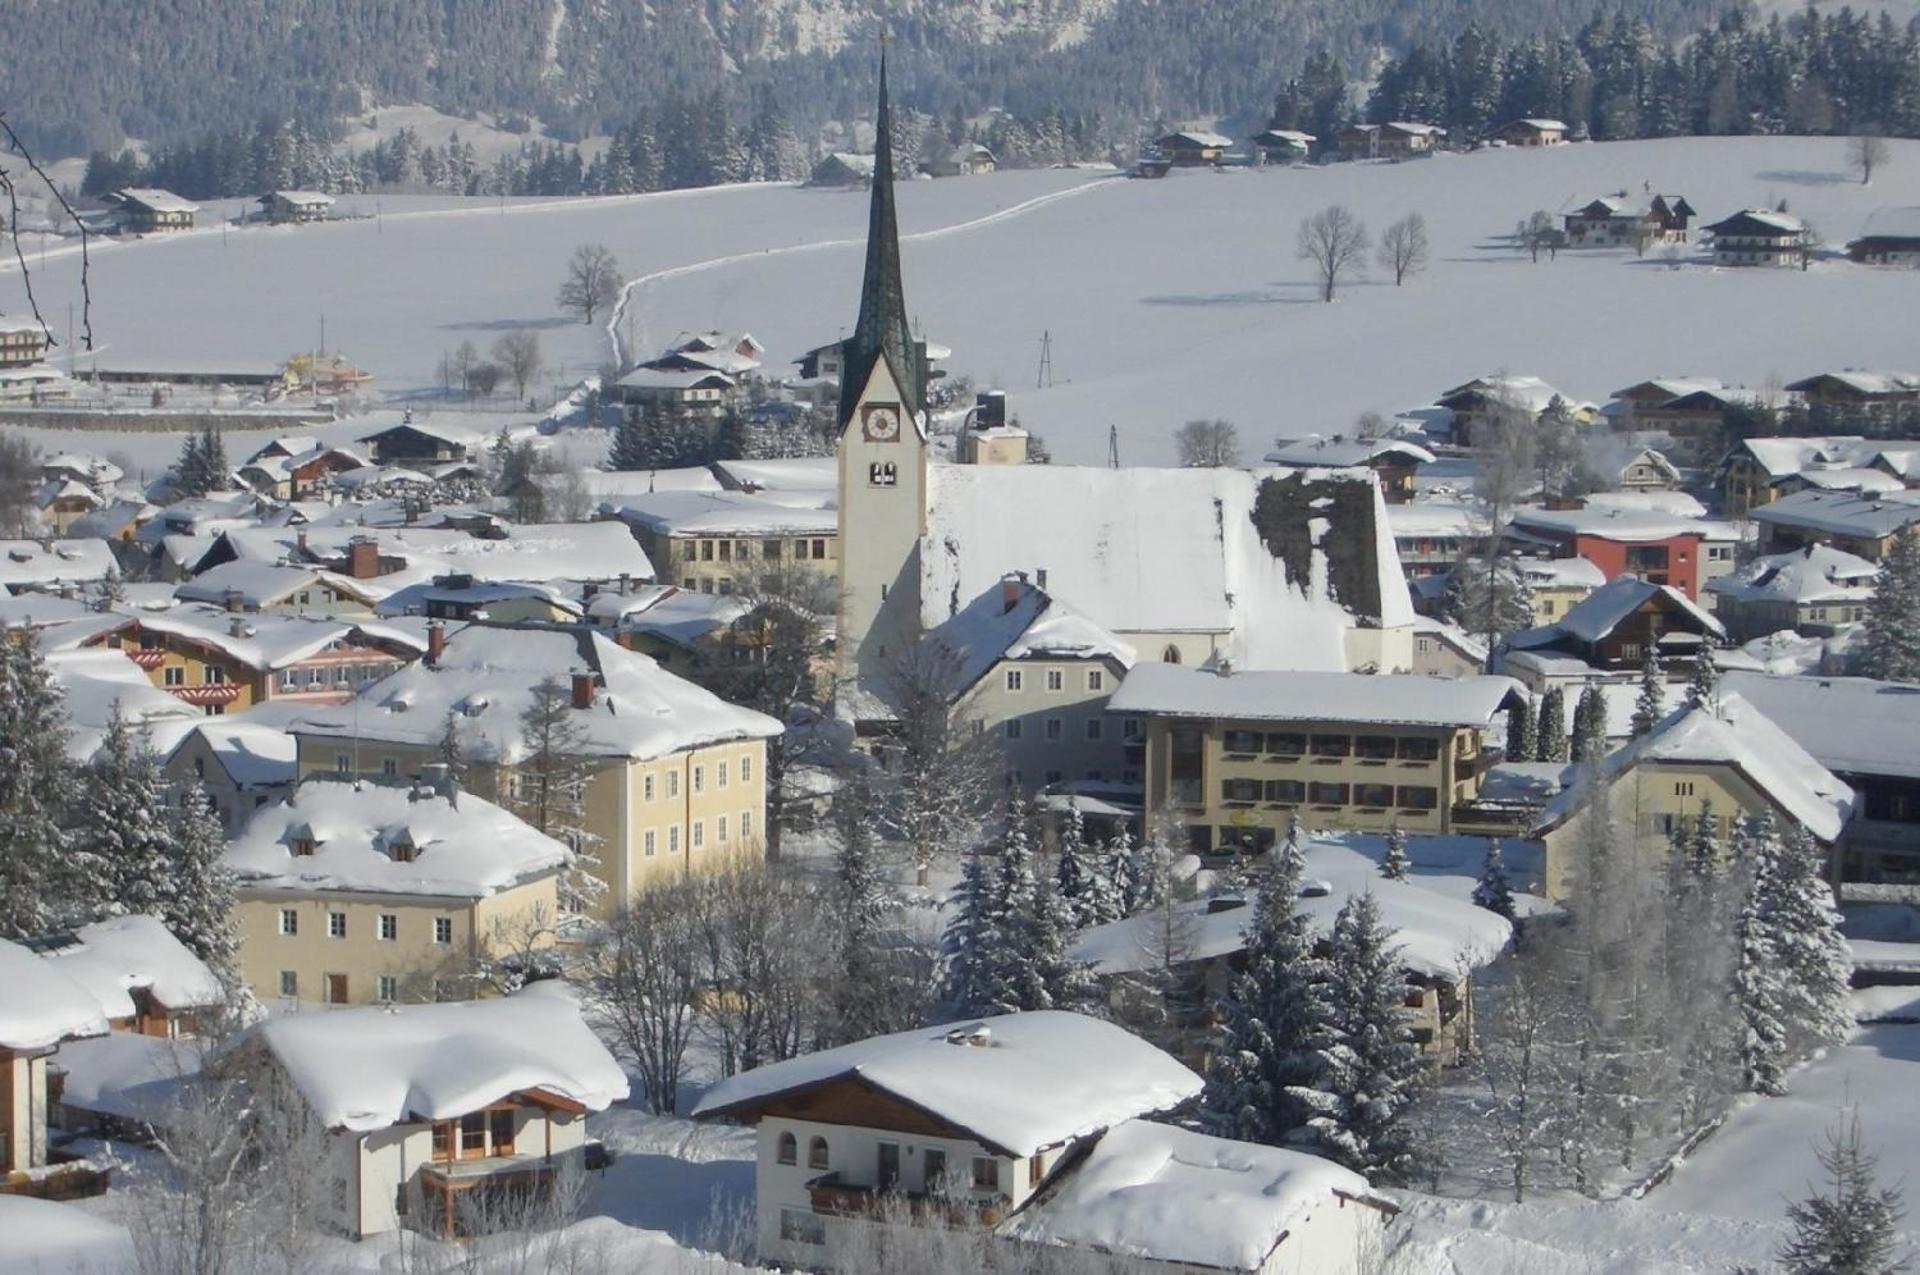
[1164,300]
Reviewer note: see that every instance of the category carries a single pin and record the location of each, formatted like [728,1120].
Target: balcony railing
[833,1197]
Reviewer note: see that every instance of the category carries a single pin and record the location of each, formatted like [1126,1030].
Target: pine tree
[1370,1066]
[198,909]
[43,884]
[1492,891]
[1590,725]
[1649,706]
[1394,866]
[1273,1020]
[1892,629]
[124,824]
[1702,678]
[552,777]
[1553,726]
[1854,1230]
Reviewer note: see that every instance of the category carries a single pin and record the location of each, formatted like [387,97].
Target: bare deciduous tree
[518,353]
[1865,153]
[643,983]
[945,773]
[484,378]
[1536,234]
[592,283]
[1404,249]
[1335,242]
[1208,443]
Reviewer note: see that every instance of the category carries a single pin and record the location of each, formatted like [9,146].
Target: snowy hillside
[1164,300]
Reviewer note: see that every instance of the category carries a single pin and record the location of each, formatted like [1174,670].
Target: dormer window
[303,847]
[400,846]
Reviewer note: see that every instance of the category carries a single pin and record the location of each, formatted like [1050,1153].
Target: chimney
[363,558]
[237,627]
[583,688]
[436,643]
[971,1036]
[234,601]
[626,583]
[1009,592]
[301,542]
[437,778]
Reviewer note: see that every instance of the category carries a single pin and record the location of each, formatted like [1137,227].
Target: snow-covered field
[1165,300]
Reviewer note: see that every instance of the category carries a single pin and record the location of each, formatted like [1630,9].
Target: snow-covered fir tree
[865,993]
[1489,598]
[1703,676]
[42,885]
[1148,874]
[1264,1081]
[125,824]
[1520,733]
[1853,1228]
[1590,725]
[1394,865]
[972,936]
[1891,648]
[1493,892]
[1808,945]
[1649,706]
[1074,878]
[1370,1068]
[1552,730]
[199,906]
[1115,861]
[1759,983]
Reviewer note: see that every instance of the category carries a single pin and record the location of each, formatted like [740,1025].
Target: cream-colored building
[1726,759]
[357,893]
[44,1008]
[715,542]
[675,775]
[1236,757]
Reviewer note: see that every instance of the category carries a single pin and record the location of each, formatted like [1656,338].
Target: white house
[42,1007]
[436,1112]
[972,1119]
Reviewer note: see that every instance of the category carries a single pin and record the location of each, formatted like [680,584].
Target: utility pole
[1113,447]
[1044,379]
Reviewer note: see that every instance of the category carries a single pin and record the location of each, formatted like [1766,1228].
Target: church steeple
[881,331]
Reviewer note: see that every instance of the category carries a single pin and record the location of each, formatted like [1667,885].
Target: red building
[1655,547]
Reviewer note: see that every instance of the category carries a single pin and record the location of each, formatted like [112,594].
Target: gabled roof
[698,513]
[1843,513]
[1196,138]
[1730,731]
[1863,381]
[1817,573]
[1892,223]
[369,1068]
[1540,125]
[300,198]
[253,754]
[1852,725]
[114,958]
[1337,452]
[1595,616]
[457,435]
[153,199]
[43,1005]
[1017,1083]
[1607,523]
[1782,456]
[1385,699]
[266,641]
[1028,625]
[25,562]
[1759,221]
[264,584]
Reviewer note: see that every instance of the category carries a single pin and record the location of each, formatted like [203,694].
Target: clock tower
[883,446]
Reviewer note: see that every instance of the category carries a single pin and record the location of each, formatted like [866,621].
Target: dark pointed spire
[882,331]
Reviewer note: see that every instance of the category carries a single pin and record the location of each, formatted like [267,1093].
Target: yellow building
[675,775]
[1726,759]
[710,541]
[1234,757]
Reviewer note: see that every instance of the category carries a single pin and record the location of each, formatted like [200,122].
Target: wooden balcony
[62,1178]
[463,1198]
[832,1197]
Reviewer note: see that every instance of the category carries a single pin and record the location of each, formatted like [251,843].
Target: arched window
[1171,655]
[788,1149]
[817,1153]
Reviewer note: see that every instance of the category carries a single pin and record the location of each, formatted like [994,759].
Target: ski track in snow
[642,282]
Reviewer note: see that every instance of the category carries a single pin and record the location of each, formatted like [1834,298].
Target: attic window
[303,847]
[402,850]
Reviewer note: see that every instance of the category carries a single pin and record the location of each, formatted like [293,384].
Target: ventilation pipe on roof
[972,1035]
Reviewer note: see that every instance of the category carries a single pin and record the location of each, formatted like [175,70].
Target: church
[1226,568]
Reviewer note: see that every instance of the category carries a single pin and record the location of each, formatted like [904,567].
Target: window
[1171,655]
[673,840]
[336,925]
[1332,745]
[1056,680]
[389,988]
[786,1149]
[1096,679]
[673,784]
[443,929]
[289,983]
[726,551]
[1327,794]
[1129,728]
[1012,728]
[1286,743]
[213,675]
[1240,790]
[1417,798]
[301,847]
[1286,792]
[1093,728]
[175,676]
[720,774]
[1055,776]
[1417,749]
[817,1156]
[289,921]
[1055,728]
[797,1226]
[720,830]
[1374,795]
[746,769]
[389,928]
[1036,1170]
[647,843]
[933,1167]
[473,1135]
[342,764]
[699,780]
[1014,679]
[770,550]
[402,850]
[746,825]
[646,788]
[1374,747]
[1242,741]
[986,1173]
[699,833]
[389,766]
[1683,788]
[820,549]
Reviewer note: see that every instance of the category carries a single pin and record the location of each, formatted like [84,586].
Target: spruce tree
[1529,732]
[1759,985]
[972,936]
[43,882]
[865,991]
[1394,865]
[1106,898]
[1553,726]
[1702,678]
[125,824]
[1264,1080]
[1649,706]
[1892,630]
[198,909]
[1809,947]
[190,469]
[1519,723]
[1854,1229]
[1370,1066]
[1073,875]
[1492,891]
[1148,872]
[1590,725]
[213,457]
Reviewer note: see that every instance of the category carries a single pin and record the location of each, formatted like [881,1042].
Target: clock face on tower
[881,423]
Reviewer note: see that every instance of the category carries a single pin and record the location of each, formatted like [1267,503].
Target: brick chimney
[436,643]
[300,541]
[1009,592]
[583,688]
[363,558]
[235,601]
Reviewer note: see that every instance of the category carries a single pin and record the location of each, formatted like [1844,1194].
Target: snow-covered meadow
[1164,300]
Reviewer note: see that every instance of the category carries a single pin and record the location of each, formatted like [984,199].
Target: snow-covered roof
[464,848]
[113,958]
[369,1068]
[1197,137]
[1561,573]
[671,378]
[1293,135]
[303,198]
[1606,523]
[263,584]
[1764,218]
[1892,223]
[1527,392]
[25,562]
[681,616]
[457,435]
[1600,612]
[253,754]
[487,674]
[1817,573]
[1843,513]
[98,681]
[48,1237]
[1675,504]
[267,641]
[1333,453]
[1780,457]
[1174,1196]
[539,552]
[621,484]
[155,199]
[1161,551]
[1853,725]
[1671,387]
[705,513]
[803,473]
[1543,125]
[1019,1083]
[1028,625]
[1435,932]
[1732,732]
[1400,699]
[43,1005]
[1417,129]
[126,1074]
[1863,381]
[1436,518]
